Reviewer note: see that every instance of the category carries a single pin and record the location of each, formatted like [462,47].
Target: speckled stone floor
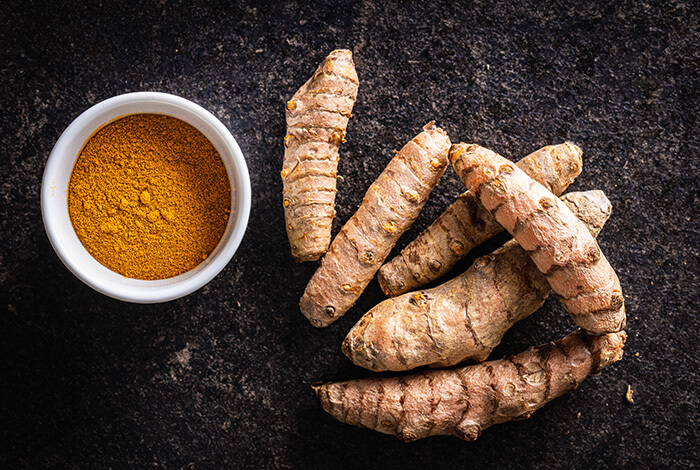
[220,379]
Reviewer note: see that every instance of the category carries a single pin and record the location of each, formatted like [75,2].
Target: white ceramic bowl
[54,190]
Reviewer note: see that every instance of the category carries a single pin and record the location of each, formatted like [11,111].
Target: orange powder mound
[149,196]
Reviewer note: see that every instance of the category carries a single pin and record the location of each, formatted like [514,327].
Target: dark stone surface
[221,378]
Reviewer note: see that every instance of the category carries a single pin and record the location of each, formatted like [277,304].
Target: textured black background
[221,378]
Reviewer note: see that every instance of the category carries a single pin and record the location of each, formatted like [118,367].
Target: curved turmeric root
[466,224]
[466,317]
[317,118]
[388,209]
[559,244]
[463,402]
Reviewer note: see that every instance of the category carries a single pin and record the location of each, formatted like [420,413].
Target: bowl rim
[147,291]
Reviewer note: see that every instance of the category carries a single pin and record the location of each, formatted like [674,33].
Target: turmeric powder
[149,196]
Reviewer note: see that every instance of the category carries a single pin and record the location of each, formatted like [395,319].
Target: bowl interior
[55,191]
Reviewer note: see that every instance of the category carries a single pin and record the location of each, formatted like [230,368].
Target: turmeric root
[558,242]
[466,317]
[466,224]
[463,402]
[388,209]
[317,118]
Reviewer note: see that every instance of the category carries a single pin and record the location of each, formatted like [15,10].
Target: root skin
[466,224]
[557,241]
[317,119]
[466,317]
[463,402]
[388,209]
